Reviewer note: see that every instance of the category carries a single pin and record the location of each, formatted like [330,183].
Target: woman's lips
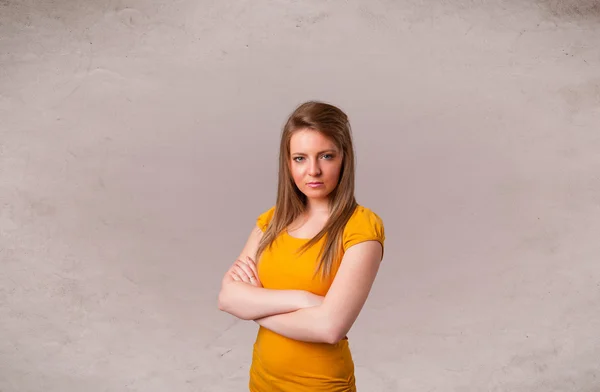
[315,184]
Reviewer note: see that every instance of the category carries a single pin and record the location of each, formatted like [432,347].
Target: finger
[246,275]
[247,260]
[235,277]
[246,269]
[242,274]
[252,266]
[235,271]
[251,273]
[254,280]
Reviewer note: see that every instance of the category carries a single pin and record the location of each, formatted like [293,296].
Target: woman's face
[315,163]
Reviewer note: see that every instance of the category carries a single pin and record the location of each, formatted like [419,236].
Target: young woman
[309,263]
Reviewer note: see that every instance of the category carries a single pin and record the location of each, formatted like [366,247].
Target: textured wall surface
[138,144]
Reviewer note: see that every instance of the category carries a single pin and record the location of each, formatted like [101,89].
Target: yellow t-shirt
[280,364]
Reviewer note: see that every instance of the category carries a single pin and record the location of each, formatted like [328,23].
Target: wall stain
[571,9]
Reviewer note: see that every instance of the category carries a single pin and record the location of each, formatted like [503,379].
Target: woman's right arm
[250,302]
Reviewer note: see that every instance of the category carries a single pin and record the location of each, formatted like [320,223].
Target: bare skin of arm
[243,296]
[330,321]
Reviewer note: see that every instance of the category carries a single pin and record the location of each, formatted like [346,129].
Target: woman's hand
[245,270]
[248,300]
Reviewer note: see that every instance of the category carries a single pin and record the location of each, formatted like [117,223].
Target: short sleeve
[363,225]
[264,219]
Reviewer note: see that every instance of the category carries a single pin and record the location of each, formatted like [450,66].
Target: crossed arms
[299,314]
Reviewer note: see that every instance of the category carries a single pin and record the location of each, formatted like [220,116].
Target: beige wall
[138,143]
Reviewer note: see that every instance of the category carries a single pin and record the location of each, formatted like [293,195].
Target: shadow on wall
[572,9]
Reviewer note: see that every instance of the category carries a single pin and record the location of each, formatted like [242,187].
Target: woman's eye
[326,156]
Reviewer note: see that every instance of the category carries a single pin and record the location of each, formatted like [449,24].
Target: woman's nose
[314,169]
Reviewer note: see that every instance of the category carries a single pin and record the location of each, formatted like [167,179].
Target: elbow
[222,301]
[332,330]
[334,334]
[334,338]
[225,304]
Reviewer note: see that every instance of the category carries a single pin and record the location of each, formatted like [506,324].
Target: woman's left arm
[331,321]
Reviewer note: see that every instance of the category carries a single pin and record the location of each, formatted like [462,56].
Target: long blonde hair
[292,203]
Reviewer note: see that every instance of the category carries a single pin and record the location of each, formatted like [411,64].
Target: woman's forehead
[310,141]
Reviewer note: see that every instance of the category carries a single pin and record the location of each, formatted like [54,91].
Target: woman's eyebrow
[320,152]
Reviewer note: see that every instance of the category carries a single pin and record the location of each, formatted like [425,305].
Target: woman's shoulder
[264,218]
[364,225]
[363,215]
